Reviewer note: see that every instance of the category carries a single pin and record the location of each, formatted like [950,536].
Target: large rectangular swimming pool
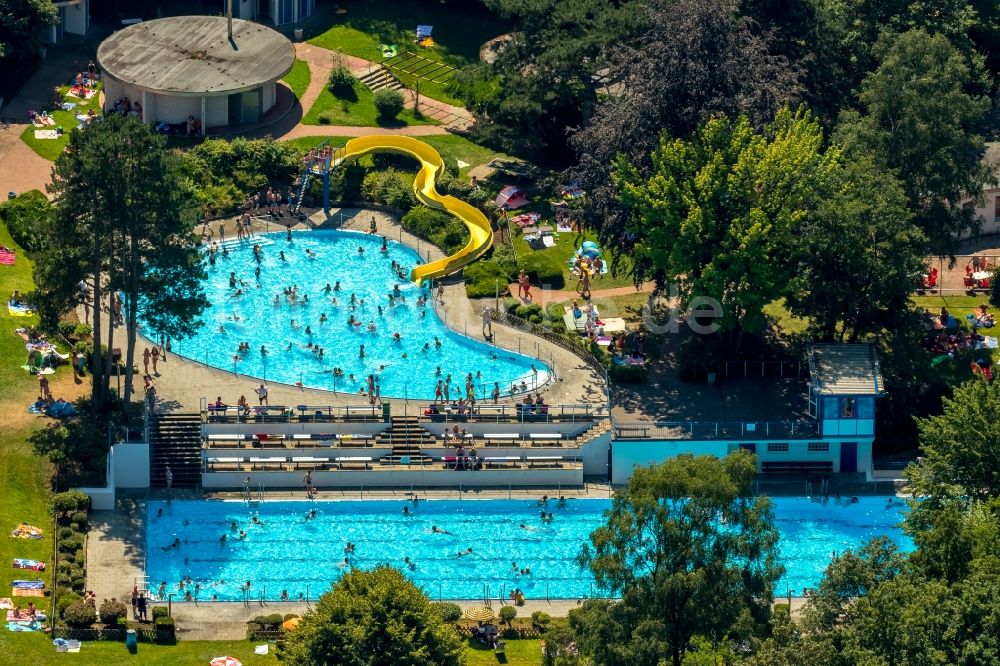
[289,553]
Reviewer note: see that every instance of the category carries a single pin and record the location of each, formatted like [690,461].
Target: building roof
[192,55]
[845,369]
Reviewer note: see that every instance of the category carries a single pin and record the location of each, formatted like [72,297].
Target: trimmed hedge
[481,279]
[437,227]
[449,612]
[24,216]
[388,103]
[80,614]
[543,270]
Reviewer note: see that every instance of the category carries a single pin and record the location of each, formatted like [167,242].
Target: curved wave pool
[302,557]
[252,307]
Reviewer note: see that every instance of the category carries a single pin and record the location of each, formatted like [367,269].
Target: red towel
[7,257]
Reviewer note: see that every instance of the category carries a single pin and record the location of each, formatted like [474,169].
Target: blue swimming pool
[303,556]
[254,309]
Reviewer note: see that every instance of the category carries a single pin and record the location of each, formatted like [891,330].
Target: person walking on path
[487,324]
[155,357]
[135,602]
[168,474]
[145,361]
[43,387]
[308,480]
[141,603]
[261,392]
[440,293]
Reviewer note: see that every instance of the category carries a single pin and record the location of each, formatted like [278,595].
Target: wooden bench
[353,461]
[502,439]
[360,413]
[501,461]
[633,432]
[797,467]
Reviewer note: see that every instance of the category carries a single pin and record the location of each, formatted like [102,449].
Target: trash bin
[386,411]
[12,195]
[298,34]
[131,641]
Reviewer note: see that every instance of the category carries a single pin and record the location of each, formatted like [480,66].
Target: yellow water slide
[431,164]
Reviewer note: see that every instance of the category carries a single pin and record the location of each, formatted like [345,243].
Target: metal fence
[715,430]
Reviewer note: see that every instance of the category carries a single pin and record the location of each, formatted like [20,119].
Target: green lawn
[460,29]
[23,476]
[784,320]
[565,247]
[298,78]
[37,650]
[357,111]
[50,149]
[307,142]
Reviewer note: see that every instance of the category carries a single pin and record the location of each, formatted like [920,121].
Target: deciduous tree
[923,113]
[21,23]
[718,214]
[691,552]
[373,618]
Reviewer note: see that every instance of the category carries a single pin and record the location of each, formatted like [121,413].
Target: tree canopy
[123,224]
[717,214]
[923,114]
[21,22]
[691,552]
[373,618]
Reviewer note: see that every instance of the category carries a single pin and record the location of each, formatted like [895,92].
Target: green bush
[25,215]
[82,331]
[388,103]
[341,81]
[79,518]
[504,255]
[65,600]
[71,500]
[543,270]
[481,279]
[324,118]
[449,612]
[66,564]
[159,611]
[63,579]
[71,544]
[76,571]
[64,533]
[80,614]
[79,584]
[628,374]
[541,619]
[437,227]
[389,187]
[507,614]
[79,556]
[112,611]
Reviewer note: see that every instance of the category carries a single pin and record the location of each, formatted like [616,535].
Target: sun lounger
[27,592]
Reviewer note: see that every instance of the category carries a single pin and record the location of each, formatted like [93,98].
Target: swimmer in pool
[327,289]
[410,564]
[243,534]
[396,337]
[263,350]
[294,326]
[222,539]
[175,544]
[309,330]
[322,317]
[361,351]
[372,327]
[525,527]
[281,256]
[406,511]
[361,251]
[257,521]
[467,551]
[437,342]
[437,530]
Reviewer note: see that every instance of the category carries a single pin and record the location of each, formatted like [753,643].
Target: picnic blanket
[19,310]
[7,257]
[526,219]
[24,625]
[34,565]
[6,603]
[12,618]
[46,134]
[26,531]
[80,91]
[37,584]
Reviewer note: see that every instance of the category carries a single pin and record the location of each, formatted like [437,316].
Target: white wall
[988,211]
[77,17]
[245,9]
[216,111]
[174,109]
[400,479]
[595,456]
[131,465]
[269,96]
[114,90]
[625,455]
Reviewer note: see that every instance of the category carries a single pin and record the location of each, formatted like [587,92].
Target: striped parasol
[479,614]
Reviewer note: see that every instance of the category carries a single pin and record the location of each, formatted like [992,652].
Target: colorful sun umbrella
[479,613]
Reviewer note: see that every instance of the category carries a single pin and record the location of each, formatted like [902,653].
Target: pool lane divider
[424,186]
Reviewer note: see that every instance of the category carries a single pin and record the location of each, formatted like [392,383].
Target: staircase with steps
[405,436]
[176,441]
[379,78]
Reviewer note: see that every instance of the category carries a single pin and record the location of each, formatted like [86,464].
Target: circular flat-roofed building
[187,66]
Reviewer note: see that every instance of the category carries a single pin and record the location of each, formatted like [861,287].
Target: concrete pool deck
[183,383]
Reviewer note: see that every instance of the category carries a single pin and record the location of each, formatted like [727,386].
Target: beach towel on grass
[34,565]
[46,134]
[7,258]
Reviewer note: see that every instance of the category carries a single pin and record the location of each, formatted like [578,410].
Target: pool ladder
[251,497]
[824,488]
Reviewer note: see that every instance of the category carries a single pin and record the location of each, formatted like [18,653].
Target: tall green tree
[961,446]
[373,618]
[858,256]
[922,118]
[545,79]
[123,224]
[718,214]
[21,23]
[695,59]
[691,552]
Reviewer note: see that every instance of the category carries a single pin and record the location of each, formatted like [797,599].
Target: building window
[819,447]
[848,408]
[777,447]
